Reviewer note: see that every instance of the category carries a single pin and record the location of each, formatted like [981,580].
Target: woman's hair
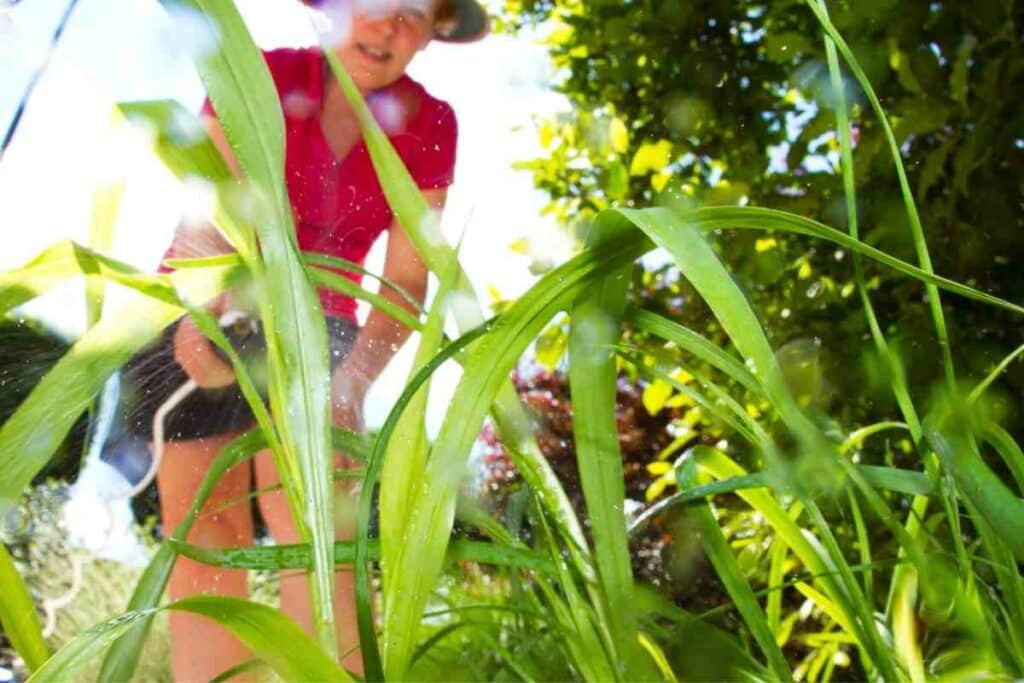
[445,18]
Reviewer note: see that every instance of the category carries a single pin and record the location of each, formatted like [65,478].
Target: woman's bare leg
[201,649]
[295,600]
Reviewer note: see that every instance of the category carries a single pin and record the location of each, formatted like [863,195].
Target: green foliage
[688,102]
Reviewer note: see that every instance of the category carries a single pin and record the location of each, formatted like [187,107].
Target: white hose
[166,407]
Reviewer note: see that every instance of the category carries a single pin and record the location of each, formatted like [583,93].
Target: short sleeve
[433,164]
[288,68]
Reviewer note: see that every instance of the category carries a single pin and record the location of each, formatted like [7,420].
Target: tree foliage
[703,102]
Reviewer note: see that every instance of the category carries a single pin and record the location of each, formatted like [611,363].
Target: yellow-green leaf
[651,157]
[655,394]
[619,135]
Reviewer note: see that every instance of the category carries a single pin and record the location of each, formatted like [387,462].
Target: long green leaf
[298,556]
[717,549]
[952,440]
[18,618]
[32,434]
[593,333]
[242,92]
[277,640]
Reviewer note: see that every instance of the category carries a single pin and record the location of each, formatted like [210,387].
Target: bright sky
[115,50]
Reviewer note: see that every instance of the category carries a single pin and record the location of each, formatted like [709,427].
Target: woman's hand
[195,354]
[348,393]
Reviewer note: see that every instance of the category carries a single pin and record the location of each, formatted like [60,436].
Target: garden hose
[172,401]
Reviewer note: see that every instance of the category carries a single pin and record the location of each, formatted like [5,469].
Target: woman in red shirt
[340,210]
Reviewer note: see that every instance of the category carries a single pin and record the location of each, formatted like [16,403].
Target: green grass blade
[991,377]
[690,341]
[917,232]
[277,640]
[887,478]
[18,618]
[243,94]
[298,556]
[486,372]
[1007,448]
[63,665]
[31,435]
[592,378]
[717,549]
[66,260]
[898,380]
[708,219]
[374,466]
[406,454]
[699,264]
[953,442]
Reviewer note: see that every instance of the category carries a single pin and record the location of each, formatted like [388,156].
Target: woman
[339,210]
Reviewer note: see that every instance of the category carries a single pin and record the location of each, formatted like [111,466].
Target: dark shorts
[152,375]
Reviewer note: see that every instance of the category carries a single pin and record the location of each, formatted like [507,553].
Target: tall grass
[573,592]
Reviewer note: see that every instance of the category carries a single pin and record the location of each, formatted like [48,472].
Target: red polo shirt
[338,204]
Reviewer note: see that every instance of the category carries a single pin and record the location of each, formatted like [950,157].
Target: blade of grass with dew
[340,283]
[593,332]
[335,263]
[583,643]
[18,618]
[405,460]
[35,430]
[695,344]
[716,547]
[121,660]
[423,229]
[244,96]
[65,260]
[711,218]
[298,556]
[272,636]
[888,478]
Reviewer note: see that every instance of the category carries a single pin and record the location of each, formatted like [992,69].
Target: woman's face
[383,37]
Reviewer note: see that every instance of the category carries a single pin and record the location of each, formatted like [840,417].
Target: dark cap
[461,21]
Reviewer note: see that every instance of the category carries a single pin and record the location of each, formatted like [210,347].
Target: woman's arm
[381,337]
[192,350]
